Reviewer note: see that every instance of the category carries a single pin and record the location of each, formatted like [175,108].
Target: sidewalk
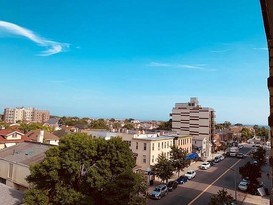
[193,166]
[247,200]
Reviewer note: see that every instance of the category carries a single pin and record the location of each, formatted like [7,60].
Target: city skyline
[135,59]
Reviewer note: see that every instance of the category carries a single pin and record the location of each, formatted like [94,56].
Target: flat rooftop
[25,153]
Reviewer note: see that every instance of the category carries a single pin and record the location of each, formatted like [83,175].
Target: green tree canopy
[164,168]
[165,125]
[82,170]
[259,156]
[99,124]
[246,133]
[178,159]
[251,172]
[221,198]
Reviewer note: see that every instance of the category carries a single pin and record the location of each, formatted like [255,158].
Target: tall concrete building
[193,120]
[13,115]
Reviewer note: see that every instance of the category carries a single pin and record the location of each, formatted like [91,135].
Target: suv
[159,191]
[190,174]
[205,165]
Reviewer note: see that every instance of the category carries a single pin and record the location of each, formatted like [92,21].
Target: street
[224,174]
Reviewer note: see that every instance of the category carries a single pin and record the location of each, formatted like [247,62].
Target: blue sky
[134,59]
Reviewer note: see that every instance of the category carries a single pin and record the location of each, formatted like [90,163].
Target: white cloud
[187,66]
[52,47]
[220,51]
[155,64]
[262,48]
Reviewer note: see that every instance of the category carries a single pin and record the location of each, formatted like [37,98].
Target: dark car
[172,185]
[182,179]
[212,162]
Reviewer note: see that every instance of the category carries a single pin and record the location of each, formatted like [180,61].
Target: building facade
[191,119]
[13,115]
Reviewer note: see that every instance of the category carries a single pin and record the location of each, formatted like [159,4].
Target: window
[145,146]
[168,145]
[10,170]
[159,146]
[153,158]
[153,146]
[144,158]
[164,144]
[136,145]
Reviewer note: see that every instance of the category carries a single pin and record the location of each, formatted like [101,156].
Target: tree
[82,170]
[178,159]
[221,198]
[165,125]
[99,124]
[128,126]
[251,172]
[259,156]
[246,133]
[164,168]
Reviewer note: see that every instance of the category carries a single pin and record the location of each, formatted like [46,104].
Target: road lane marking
[191,202]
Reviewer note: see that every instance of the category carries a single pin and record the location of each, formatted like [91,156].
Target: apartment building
[191,119]
[147,149]
[184,143]
[13,115]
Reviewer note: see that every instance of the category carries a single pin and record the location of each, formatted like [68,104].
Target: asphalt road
[207,182]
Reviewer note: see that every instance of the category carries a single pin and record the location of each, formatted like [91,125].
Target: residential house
[43,136]
[11,137]
[202,145]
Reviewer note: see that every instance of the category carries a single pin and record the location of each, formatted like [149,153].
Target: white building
[13,115]
[190,119]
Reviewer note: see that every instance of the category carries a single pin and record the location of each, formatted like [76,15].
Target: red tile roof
[4,133]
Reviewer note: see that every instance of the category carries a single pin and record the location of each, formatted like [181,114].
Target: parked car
[190,174]
[172,185]
[217,159]
[212,162]
[205,165]
[159,191]
[182,179]
[222,157]
[240,155]
[240,146]
[243,185]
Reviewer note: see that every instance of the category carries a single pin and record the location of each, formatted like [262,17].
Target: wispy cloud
[52,47]
[220,51]
[186,66]
[262,48]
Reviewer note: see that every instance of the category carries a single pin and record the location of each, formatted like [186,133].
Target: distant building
[13,115]
[100,134]
[190,119]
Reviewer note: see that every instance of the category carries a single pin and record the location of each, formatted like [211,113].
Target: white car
[190,174]
[205,165]
[243,185]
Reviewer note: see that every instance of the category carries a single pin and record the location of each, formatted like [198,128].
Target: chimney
[40,137]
